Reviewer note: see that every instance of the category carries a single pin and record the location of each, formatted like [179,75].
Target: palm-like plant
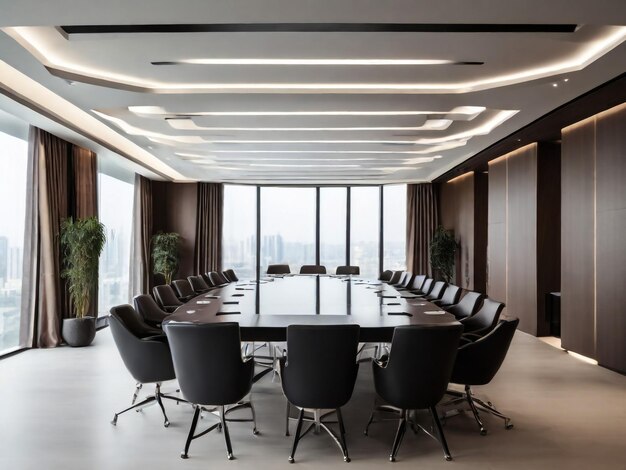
[442,251]
[166,254]
[82,241]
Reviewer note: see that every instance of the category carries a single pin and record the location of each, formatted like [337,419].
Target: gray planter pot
[78,332]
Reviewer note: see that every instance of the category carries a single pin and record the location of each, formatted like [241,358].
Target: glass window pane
[394,227]
[116,213]
[287,227]
[13,161]
[239,232]
[364,229]
[333,228]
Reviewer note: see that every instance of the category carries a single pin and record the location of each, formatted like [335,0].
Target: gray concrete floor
[56,406]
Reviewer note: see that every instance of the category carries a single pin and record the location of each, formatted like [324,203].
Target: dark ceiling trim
[320,28]
[548,127]
[178,62]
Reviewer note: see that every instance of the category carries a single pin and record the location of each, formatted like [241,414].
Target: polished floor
[56,406]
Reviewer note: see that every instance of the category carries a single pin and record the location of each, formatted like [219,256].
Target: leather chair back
[428,286]
[321,366]
[485,319]
[395,277]
[147,360]
[165,296]
[208,363]
[183,288]
[477,363]
[437,291]
[149,310]
[158,279]
[467,306]
[345,270]
[419,367]
[230,275]
[217,279]
[451,295]
[385,276]
[278,269]
[197,284]
[312,269]
[418,282]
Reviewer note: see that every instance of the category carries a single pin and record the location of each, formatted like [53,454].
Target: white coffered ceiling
[348,97]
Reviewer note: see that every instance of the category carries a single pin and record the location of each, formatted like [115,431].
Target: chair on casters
[198,284]
[166,298]
[436,292]
[146,355]
[278,269]
[318,374]
[230,275]
[450,296]
[417,284]
[426,287]
[347,270]
[395,277]
[415,377]
[312,269]
[218,279]
[149,310]
[483,321]
[212,374]
[477,363]
[183,289]
[385,276]
[467,306]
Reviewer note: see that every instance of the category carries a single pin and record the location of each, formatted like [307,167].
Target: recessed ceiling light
[566,79]
[555,85]
[253,61]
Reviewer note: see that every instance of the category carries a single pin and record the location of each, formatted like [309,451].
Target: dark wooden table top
[264,309]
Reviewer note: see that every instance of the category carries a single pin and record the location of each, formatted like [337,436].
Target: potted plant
[442,251]
[82,241]
[166,254]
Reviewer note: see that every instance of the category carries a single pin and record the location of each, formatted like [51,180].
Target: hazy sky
[13,160]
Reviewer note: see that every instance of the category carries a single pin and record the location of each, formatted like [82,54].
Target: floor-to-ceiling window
[287,226]
[394,227]
[365,229]
[333,227]
[13,162]
[239,232]
[348,230]
[115,208]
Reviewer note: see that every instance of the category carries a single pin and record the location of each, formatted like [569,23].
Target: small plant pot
[79,332]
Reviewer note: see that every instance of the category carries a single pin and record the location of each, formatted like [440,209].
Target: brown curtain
[61,183]
[422,219]
[209,222]
[140,265]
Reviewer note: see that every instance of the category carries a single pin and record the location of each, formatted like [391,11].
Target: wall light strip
[258,61]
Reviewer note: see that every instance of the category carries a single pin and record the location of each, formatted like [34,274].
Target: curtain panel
[61,183]
[140,261]
[422,219]
[209,224]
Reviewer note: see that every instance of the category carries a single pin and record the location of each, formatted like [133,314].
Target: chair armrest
[382,361]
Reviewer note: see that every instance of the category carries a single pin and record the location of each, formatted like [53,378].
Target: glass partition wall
[359,225]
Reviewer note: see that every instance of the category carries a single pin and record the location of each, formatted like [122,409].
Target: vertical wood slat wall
[593,295]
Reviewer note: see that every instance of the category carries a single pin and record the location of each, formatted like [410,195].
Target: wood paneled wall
[523,227]
[593,297]
[175,208]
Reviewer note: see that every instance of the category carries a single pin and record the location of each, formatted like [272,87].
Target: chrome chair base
[474,405]
[149,400]
[406,418]
[221,412]
[317,423]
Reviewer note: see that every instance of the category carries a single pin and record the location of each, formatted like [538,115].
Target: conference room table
[265,308]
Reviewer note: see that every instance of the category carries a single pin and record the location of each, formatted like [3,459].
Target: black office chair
[467,306]
[426,287]
[319,373]
[146,355]
[312,269]
[395,278]
[207,280]
[385,276]
[218,279]
[183,289]
[278,269]
[149,310]
[347,270]
[198,285]
[417,283]
[401,280]
[158,279]
[477,363]
[406,282]
[166,298]
[211,373]
[415,376]
[436,292]
[450,296]
[484,320]
[230,275]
